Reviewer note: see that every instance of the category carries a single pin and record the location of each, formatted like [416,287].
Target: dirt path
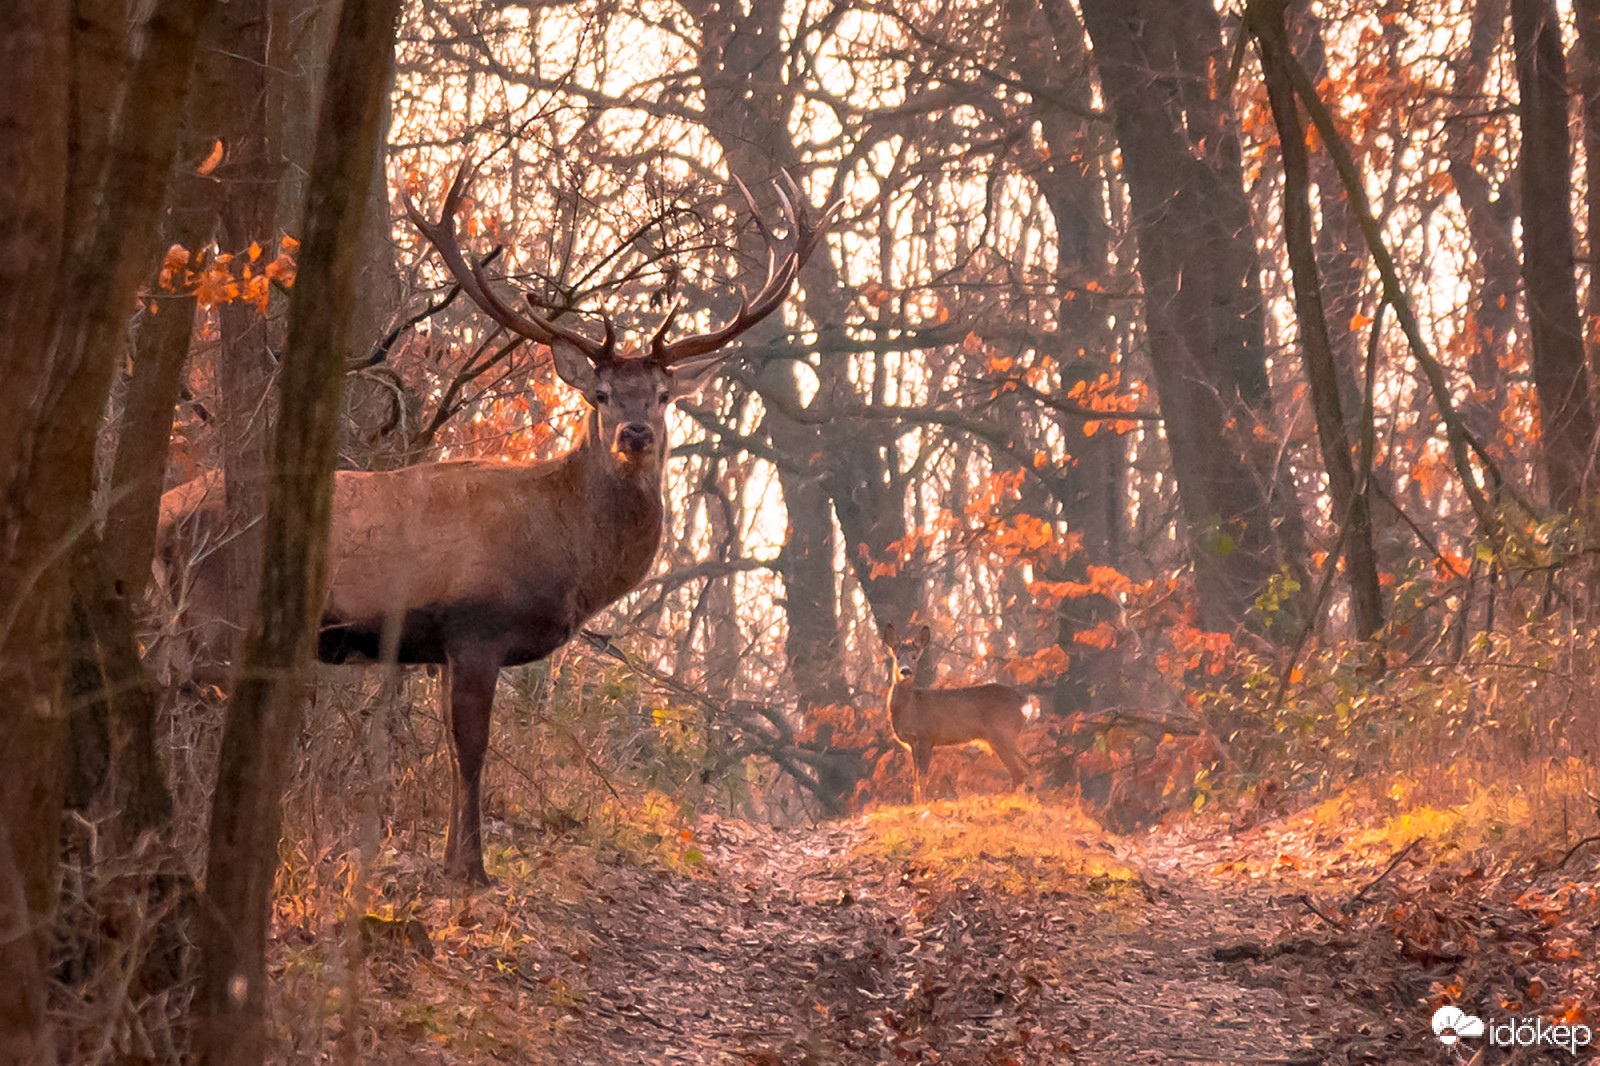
[809,946]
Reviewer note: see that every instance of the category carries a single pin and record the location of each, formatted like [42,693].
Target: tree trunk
[249,175]
[1352,513]
[747,111]
[1047,39]
[64,301]
[114,699]
[34,49]
[1545,173]
[1202,308]
[1489,226]
[263,715]
[1586,13]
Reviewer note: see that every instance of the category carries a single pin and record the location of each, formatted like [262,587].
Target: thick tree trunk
[34,49]
[114,700]
[1202,310]
[1545,174]
[1046,39]
[262,717]
[249,174]
[58,349]
[1586,13]
[1352,513]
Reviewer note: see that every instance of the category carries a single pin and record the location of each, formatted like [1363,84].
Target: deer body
[927,718]
[410,548]
[479,565]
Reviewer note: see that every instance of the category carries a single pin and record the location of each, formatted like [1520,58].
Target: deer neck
[900,694]
[626,500]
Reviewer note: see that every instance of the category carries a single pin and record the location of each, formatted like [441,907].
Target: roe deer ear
[886,631]
[923,636]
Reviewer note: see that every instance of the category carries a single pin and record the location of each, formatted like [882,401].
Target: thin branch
[1350,904]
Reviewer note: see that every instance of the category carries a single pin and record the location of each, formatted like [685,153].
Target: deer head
[906,653]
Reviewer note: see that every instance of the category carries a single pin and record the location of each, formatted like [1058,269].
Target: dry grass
[1013,844]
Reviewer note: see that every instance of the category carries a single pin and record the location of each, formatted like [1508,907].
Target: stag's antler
[531,324]
[804,235]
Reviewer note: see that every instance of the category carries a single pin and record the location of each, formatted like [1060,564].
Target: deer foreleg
[469,681]
[921,758]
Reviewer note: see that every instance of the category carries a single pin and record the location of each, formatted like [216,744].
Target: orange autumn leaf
[211,161]
[174,265]
[257,289]
[282,270]
[1102,636]
[216,285]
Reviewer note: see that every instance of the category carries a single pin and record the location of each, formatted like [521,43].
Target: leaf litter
[990,931]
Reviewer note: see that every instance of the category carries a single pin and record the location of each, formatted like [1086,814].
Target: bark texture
[1202,310]
[1352,512]
[1544,172]
[262,718]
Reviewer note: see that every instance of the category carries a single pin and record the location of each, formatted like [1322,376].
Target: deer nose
[635,438]
[905,671]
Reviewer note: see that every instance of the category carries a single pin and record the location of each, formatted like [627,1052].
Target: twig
[1350,904]
[381,352]
[1310,905]
[1573,851]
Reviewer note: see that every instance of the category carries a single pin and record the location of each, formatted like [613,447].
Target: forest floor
[991,930]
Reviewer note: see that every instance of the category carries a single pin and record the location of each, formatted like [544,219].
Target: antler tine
[442,235]
[755,212]
[658,341]
[781,272]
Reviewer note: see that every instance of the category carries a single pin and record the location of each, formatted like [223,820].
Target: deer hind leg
[469,682]
[1016,762]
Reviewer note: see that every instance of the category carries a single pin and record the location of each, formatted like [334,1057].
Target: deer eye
[663,396]
[602,396]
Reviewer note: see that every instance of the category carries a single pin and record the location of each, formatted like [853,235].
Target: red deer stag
[479,565]
[926,718]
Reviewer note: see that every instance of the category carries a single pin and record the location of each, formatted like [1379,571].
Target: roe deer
[926,718]
[481,564]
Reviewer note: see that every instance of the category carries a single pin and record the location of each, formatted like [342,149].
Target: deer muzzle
[635,440]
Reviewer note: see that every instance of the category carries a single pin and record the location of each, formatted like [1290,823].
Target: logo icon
[1452,1023]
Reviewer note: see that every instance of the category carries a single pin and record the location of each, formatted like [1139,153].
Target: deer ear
[574,367]
[690,378]
[923,636]
[886,631]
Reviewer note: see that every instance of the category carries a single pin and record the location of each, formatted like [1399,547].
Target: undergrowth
[1013,844]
